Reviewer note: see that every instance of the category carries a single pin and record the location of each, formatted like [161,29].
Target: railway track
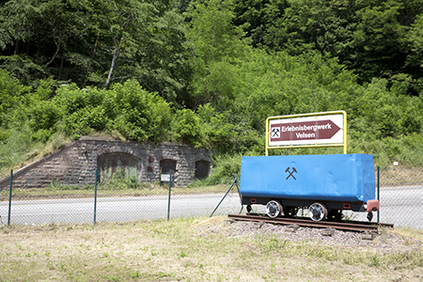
[306,222]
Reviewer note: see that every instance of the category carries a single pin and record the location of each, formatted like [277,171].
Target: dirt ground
[201,249]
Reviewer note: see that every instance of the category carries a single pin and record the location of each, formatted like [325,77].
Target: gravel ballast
[385,241]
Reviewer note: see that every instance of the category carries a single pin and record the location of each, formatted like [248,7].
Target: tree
[162,61]
[257,16]
[47,38]
[126,22]
[379,40]
[96,43]
[372,37]
[414,60]
[216,42]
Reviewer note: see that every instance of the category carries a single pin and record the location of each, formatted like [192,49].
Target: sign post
[326,129]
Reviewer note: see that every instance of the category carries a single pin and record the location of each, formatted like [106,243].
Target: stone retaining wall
[75,163]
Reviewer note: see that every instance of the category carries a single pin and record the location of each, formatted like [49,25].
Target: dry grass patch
[190,249]
[401,175]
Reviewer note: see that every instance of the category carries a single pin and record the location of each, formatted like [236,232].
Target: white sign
[165,177]
[320,129]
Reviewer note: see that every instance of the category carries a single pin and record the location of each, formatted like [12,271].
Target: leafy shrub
[13,96]
[139,115]
[43,117]
[187,128]
[133,112]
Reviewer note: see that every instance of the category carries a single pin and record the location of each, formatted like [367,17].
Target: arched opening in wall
[124,164]
[201,169]
[165,167]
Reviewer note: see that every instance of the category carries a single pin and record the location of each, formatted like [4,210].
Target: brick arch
[110,163]
[165,166]
[121,149]
[202,169]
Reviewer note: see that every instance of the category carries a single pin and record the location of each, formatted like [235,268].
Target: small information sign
[165,177]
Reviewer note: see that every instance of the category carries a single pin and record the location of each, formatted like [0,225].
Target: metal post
[95,197]
[237,187]
[239,194]
[235,181]
[170,189]
[378,190]
[10,197]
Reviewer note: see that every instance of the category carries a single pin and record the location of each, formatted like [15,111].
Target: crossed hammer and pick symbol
[291,172]
[276,132]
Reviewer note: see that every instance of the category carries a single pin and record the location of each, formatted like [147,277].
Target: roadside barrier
[115,199]
[399,189]
[401,195]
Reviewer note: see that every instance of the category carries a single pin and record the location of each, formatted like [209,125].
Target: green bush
[137,114]
[187,128]
[13,96]
[43,117]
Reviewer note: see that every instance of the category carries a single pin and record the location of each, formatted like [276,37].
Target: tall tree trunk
[55,54]
[115,56]
[17,45]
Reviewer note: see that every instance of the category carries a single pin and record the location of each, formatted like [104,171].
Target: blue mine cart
[324,184]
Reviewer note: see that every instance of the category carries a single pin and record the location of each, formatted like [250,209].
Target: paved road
[116,209]
[402,206]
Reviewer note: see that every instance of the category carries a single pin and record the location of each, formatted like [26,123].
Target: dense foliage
[374,38]
[208,73]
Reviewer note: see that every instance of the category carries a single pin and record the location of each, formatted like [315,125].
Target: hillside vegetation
[208,73]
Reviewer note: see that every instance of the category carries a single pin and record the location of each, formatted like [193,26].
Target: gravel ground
[385,241]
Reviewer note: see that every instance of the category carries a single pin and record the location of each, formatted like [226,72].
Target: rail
[340,225]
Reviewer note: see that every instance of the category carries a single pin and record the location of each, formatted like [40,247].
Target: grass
[181,250]
[19,150]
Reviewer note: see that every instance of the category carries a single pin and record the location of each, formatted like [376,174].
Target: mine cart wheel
[290,211]
[317,211]
[273,209]
[370,216]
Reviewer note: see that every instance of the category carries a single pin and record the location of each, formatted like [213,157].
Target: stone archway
[202,169]
[165,166]
[109,164]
